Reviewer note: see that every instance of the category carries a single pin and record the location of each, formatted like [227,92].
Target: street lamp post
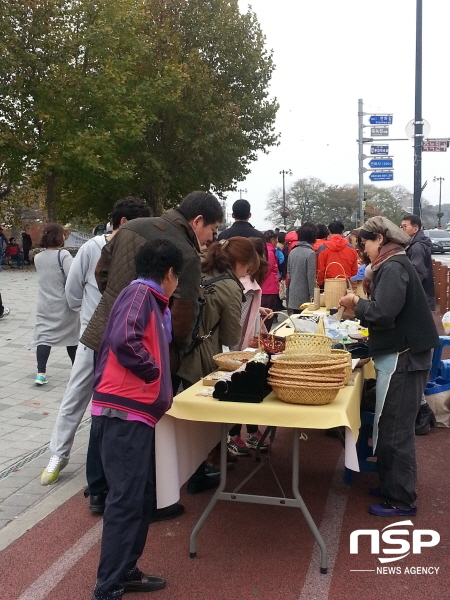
[439,214]
[285,213]
[241,192]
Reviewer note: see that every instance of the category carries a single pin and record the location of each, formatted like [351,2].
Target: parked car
[440,240]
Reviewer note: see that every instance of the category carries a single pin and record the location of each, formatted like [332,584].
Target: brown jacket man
[190,225]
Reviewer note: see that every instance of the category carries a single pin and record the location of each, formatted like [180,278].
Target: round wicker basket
[308,376]
[309,361]
[307,382]
[348,356]
[230,361]
[308,343]
[303,395]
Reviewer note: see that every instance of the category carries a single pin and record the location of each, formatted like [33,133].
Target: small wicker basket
[270,343]
[304,395]
[308,343]
[230,361]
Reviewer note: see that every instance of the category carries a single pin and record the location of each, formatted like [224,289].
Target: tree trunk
[50,198]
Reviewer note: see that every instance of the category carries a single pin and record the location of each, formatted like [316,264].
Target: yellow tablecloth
[343,410]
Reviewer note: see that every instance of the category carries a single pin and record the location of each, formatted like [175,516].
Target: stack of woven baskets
[309,378]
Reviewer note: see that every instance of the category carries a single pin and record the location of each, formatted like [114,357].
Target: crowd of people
[11,253]
[160,296]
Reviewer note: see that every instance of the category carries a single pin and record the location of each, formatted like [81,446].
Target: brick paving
[27,411]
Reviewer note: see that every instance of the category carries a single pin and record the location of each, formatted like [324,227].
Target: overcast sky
[329,53]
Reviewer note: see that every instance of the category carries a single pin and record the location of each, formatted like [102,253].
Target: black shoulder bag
[197,339]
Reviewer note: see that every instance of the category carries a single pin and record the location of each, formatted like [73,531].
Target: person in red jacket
[132,391]
[323,236]
[336,257]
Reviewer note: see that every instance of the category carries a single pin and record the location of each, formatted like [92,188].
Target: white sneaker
[52,470]
[6,312]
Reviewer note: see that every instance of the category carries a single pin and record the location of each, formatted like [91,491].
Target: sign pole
[418,122]
[360,162]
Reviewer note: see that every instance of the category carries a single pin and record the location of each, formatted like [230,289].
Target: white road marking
[317,586]
[59,569]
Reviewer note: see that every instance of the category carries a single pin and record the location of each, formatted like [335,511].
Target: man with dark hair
[336,257]
[189,226]
[129,208]
[322,236]
[241,226]
[419,253]
[132,391]
[83,296]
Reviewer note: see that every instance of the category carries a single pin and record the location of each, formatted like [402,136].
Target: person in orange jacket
[323,236]
[336,250]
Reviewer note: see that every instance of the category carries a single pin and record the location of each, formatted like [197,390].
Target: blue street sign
[379,150]
[382,176]
[381,163]
[381,120]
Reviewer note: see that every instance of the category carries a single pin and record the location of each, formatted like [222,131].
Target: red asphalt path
[252,551]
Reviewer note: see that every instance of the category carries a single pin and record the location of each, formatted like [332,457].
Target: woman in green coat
[224,264]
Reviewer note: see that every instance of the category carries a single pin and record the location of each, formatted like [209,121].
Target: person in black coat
[27,243]
[402,355]
[241,227]
[419,253]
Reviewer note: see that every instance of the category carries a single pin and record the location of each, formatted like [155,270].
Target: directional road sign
[374,131]
[381,163]
[382,176]
[434,145]
[379,150]
[381,120]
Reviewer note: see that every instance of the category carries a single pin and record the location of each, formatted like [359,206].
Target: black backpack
[197,339]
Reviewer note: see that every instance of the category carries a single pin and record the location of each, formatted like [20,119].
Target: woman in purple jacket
[132,391]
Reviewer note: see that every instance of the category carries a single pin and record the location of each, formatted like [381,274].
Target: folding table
[343,411]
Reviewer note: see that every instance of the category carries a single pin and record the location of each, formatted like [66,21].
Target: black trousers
[396,456]
[43,352]
[126,449]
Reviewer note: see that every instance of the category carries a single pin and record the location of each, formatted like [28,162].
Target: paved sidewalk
[27,411]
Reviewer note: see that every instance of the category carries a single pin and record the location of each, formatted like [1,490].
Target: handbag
[197,339]
[60,266]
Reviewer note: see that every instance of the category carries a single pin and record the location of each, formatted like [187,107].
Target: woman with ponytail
[224,264]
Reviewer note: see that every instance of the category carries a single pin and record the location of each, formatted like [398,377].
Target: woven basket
[230,361]
[308,343]
[348,356]
[334,288]
[270,343]
[296,395]
[309,376]
[305,382]
[309,361]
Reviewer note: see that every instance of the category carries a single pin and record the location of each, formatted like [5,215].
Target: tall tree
[152,97]
[303,199]
[381,201]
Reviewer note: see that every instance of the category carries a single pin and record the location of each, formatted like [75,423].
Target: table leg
[215,498]
[301,504]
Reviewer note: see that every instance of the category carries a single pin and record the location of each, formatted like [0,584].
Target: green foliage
[100,99]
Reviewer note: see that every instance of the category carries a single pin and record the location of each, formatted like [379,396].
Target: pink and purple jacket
[271,284]
[133,370]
